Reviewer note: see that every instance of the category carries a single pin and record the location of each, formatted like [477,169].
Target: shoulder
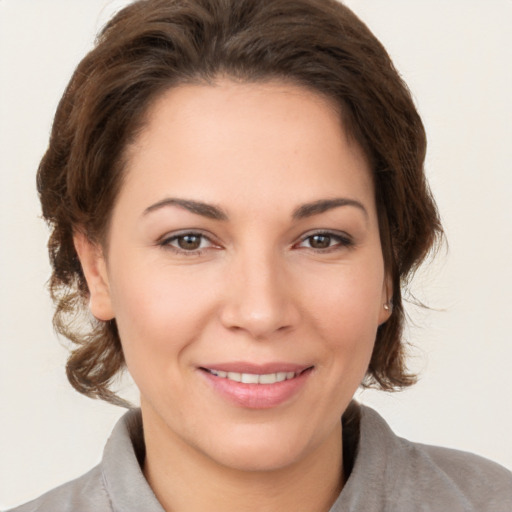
[482,482]
[400,474]
[117,483]
[84,494]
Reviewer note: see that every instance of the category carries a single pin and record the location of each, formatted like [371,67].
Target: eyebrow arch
[323,205]
[197,207]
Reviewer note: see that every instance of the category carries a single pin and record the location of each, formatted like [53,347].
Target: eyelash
[341,241]
[166,243]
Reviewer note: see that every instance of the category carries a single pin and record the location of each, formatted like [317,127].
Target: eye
[323,241]
[189,242]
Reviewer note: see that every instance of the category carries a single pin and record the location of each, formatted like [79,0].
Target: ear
[386,299]
[95,271]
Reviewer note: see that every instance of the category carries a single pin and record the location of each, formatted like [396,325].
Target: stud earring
[387,306]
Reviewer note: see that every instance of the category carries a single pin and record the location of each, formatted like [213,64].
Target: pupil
[189,242]
[320,241]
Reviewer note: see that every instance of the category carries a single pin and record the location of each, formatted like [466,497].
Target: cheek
[159,312]
[345,306]
[348,296]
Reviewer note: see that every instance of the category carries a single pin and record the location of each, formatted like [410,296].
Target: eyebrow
[197,207]
[214,212]
[323,205]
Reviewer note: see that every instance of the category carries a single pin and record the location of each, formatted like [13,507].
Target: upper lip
[256,369]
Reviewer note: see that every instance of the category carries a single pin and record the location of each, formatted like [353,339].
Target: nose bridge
[258,299]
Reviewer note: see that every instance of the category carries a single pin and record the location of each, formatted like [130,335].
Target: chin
[260,448]
[258,457]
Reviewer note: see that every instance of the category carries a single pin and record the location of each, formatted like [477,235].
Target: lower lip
[257,396]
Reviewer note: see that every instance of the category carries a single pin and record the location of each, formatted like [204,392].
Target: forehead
[260,143]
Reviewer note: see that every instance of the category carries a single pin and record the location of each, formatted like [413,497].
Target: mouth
[255,378]
[257,387]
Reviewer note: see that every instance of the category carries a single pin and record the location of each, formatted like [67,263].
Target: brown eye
[326,241]
[320,241]
[189,242]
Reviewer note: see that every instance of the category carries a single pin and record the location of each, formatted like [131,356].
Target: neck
[184,479]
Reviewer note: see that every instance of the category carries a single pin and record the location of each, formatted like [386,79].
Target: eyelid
[345,240]
[165,241]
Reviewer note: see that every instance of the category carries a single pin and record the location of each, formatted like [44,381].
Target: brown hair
[153,45]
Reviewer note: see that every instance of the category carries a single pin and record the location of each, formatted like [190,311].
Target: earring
[387,306]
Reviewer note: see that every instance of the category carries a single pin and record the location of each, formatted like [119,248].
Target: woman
[236,193]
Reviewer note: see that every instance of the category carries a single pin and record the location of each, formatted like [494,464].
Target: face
[244,270]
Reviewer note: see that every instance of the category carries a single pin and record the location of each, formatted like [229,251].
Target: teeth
[269,378]
[253,378]
[235,376]
[250,378]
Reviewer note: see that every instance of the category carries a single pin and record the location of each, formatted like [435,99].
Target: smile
[254,378]
[257,387]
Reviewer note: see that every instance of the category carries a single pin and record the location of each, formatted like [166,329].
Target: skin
[260,288]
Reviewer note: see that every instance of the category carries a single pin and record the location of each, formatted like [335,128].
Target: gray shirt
[390,474]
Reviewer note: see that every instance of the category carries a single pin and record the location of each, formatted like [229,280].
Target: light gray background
[456,56]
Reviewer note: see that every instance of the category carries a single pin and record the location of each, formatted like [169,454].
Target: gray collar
[389,473]
[123,478]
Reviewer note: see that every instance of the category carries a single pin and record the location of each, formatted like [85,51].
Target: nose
[259,297]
